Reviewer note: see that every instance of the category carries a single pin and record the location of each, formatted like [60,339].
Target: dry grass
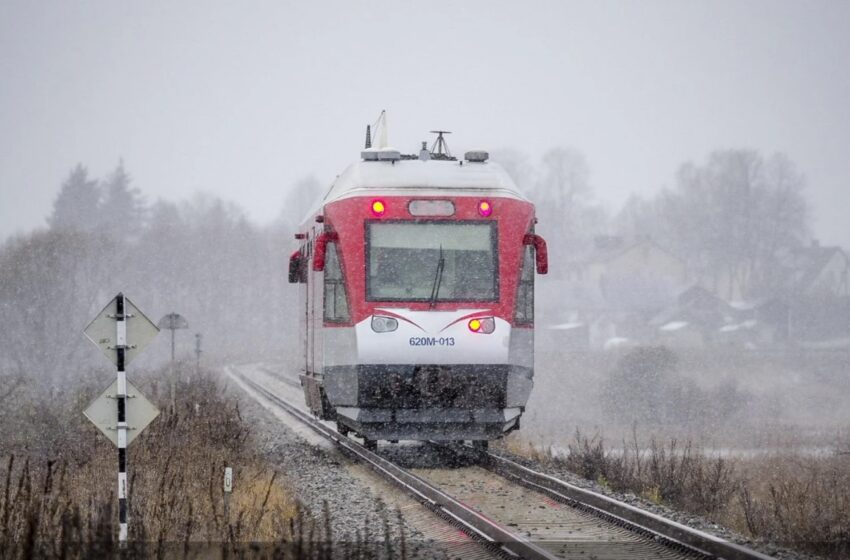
[66,507]
[799,502]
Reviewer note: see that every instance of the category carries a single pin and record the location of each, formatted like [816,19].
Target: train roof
[427,178]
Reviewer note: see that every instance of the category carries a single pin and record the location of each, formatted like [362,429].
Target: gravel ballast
[357,500]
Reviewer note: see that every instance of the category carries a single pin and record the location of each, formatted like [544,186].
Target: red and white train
[416,277]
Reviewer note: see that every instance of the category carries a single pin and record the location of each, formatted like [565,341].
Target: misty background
[243,101]
[688,161]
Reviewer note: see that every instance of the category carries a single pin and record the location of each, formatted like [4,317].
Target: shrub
[673,473]
[800,502]
[645,387]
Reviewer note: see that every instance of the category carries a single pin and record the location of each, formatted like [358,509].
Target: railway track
[520,512]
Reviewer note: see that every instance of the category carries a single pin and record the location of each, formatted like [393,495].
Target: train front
[438,289]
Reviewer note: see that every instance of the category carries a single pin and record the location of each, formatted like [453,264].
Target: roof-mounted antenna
[440,149]
[380,124]
[382,152]
[383,120]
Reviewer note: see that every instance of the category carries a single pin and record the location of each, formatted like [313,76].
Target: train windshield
[431,261]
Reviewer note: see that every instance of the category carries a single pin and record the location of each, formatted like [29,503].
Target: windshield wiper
[438,278]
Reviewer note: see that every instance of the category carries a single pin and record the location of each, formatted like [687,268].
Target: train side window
[525,290]
[336,303]
[304,264]
[298,266]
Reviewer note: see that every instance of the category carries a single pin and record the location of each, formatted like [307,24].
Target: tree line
[736,216]
[737,212]
[201,258]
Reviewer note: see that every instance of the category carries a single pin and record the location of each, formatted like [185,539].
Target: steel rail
[472,522]
[670,532]
[624,514]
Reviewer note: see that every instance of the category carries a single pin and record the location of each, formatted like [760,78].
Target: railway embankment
[545,518]
[786,506]
[755,441]
[366,512]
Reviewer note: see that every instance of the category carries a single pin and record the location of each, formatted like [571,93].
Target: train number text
[432,341]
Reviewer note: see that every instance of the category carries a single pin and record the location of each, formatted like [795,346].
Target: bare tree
[517,165]
[299,200]
[563,179]
[731,219]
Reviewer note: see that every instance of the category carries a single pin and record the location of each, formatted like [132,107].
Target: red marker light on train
[485,208]
[378,208]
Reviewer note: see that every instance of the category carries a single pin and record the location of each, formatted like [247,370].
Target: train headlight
[483,325]
[383,324]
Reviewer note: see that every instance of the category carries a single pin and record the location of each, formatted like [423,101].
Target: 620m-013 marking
[432,341]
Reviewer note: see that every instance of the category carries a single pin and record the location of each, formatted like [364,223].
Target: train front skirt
[437,402]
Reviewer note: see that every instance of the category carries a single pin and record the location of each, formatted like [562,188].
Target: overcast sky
[244,98]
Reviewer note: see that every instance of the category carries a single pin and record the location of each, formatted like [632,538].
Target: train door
[314,319]
[315,308]
[309,380]
[313,287]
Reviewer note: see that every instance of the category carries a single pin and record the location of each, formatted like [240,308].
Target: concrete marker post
[228,488]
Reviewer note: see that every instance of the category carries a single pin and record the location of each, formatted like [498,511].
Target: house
[614,287]
[692,320]
[818,293]
[680,334]
[639,275]
[817,271]
[757,323]
[569,336]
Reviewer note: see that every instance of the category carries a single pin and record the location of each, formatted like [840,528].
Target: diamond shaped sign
[103,412]
[102,331]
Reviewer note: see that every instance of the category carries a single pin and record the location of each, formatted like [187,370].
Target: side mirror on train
[295,267]
[321,248]
[541,254]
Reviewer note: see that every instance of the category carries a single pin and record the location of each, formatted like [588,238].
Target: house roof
[807,263]
[608,248]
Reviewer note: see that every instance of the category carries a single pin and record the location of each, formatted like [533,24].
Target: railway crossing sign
[103,413]
[140,331]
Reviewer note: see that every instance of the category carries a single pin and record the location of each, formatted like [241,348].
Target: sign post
[112,333]
[172,322]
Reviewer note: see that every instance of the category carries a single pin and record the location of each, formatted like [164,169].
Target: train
[416,281]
